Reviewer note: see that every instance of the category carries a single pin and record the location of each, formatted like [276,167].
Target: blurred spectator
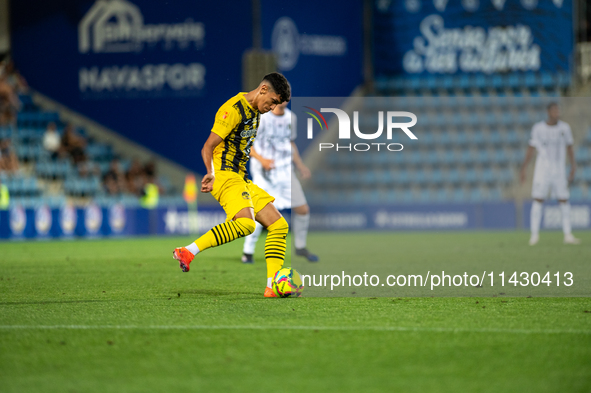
[150,174]
[134,177]
[113,179]
[10,84]
[52,141]
[8,158]
[13,78]
[88,168]
[74,145]
[4,196]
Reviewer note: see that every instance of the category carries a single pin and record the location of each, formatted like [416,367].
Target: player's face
[554,112]
[268,100]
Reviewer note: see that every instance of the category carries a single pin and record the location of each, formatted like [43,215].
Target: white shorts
[288,193]
[556,186]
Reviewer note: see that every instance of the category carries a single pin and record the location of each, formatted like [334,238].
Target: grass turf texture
[96,316]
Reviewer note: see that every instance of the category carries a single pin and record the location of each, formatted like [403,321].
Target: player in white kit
[272,169]
[552,139]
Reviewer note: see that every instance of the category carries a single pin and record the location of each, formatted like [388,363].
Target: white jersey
[273,141]
[550,143]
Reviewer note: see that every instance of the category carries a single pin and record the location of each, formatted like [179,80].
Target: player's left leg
[301,218]
[275,244]
[301,222]
[569,238]
[560,189]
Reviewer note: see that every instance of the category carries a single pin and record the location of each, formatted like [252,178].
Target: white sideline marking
[328,328]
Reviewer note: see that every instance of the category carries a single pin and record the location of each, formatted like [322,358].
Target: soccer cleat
[184,257]
[303,252]
[269,292]
[247,258]
[533,240]
[570,239]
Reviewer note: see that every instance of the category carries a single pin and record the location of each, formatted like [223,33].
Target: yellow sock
[275,246]
[226,232]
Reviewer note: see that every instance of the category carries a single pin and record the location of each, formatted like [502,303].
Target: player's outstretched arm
[297,160]
[267,163]
[573,165]
[207,154]
[528,155]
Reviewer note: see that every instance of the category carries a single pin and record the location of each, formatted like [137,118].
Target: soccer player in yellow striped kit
[225,154]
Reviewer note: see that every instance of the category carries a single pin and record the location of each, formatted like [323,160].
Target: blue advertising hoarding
[156,72]
[318,45]
[472,36]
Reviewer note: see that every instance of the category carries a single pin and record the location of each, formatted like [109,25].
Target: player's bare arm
[573,166]
[267,163]
[299,164]
[528,156]
[207,154]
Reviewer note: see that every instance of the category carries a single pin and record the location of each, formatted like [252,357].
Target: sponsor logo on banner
[412,5]
[117,26]
[18,220]
[184,222]
[471,49]
[93,219]
[43,220]
[409,220]
[344,131]
[68,219]
[580,217]
[288,44]
[471,5]
[117,218]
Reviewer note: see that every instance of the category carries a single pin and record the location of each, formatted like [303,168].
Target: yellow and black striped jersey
[236,122]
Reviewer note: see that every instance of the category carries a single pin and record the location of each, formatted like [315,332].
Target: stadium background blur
[106,104]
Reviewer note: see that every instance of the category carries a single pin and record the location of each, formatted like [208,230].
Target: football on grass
[287,282]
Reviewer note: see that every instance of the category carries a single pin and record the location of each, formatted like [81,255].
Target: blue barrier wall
[156,72]
[117,220]
[472,36]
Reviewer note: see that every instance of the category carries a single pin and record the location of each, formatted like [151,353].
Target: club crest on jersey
[225,115]
[248,133]
[245,195]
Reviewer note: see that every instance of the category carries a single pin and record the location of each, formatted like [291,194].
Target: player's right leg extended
[242,225]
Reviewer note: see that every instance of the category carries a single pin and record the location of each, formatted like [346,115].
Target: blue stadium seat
[475,195]
[547,81]
[582,154]
[458,195]
[424,196]
[471,176]
[453,176]
[495,194]
[435,177]
[576,193]
[442,195]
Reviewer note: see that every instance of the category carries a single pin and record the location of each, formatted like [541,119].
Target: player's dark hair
[551,105]
[279,84]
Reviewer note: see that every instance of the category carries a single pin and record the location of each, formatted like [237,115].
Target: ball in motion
[287,282]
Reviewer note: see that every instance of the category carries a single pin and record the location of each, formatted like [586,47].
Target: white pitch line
[324,328]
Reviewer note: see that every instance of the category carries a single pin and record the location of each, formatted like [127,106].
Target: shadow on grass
[54,302]
[218,292]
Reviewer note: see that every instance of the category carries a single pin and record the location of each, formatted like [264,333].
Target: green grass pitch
[120,316]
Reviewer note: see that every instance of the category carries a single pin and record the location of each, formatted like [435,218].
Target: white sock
[536,218]
[270,282]
[565,209]
[250,241]
[193,248]
[300,229]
